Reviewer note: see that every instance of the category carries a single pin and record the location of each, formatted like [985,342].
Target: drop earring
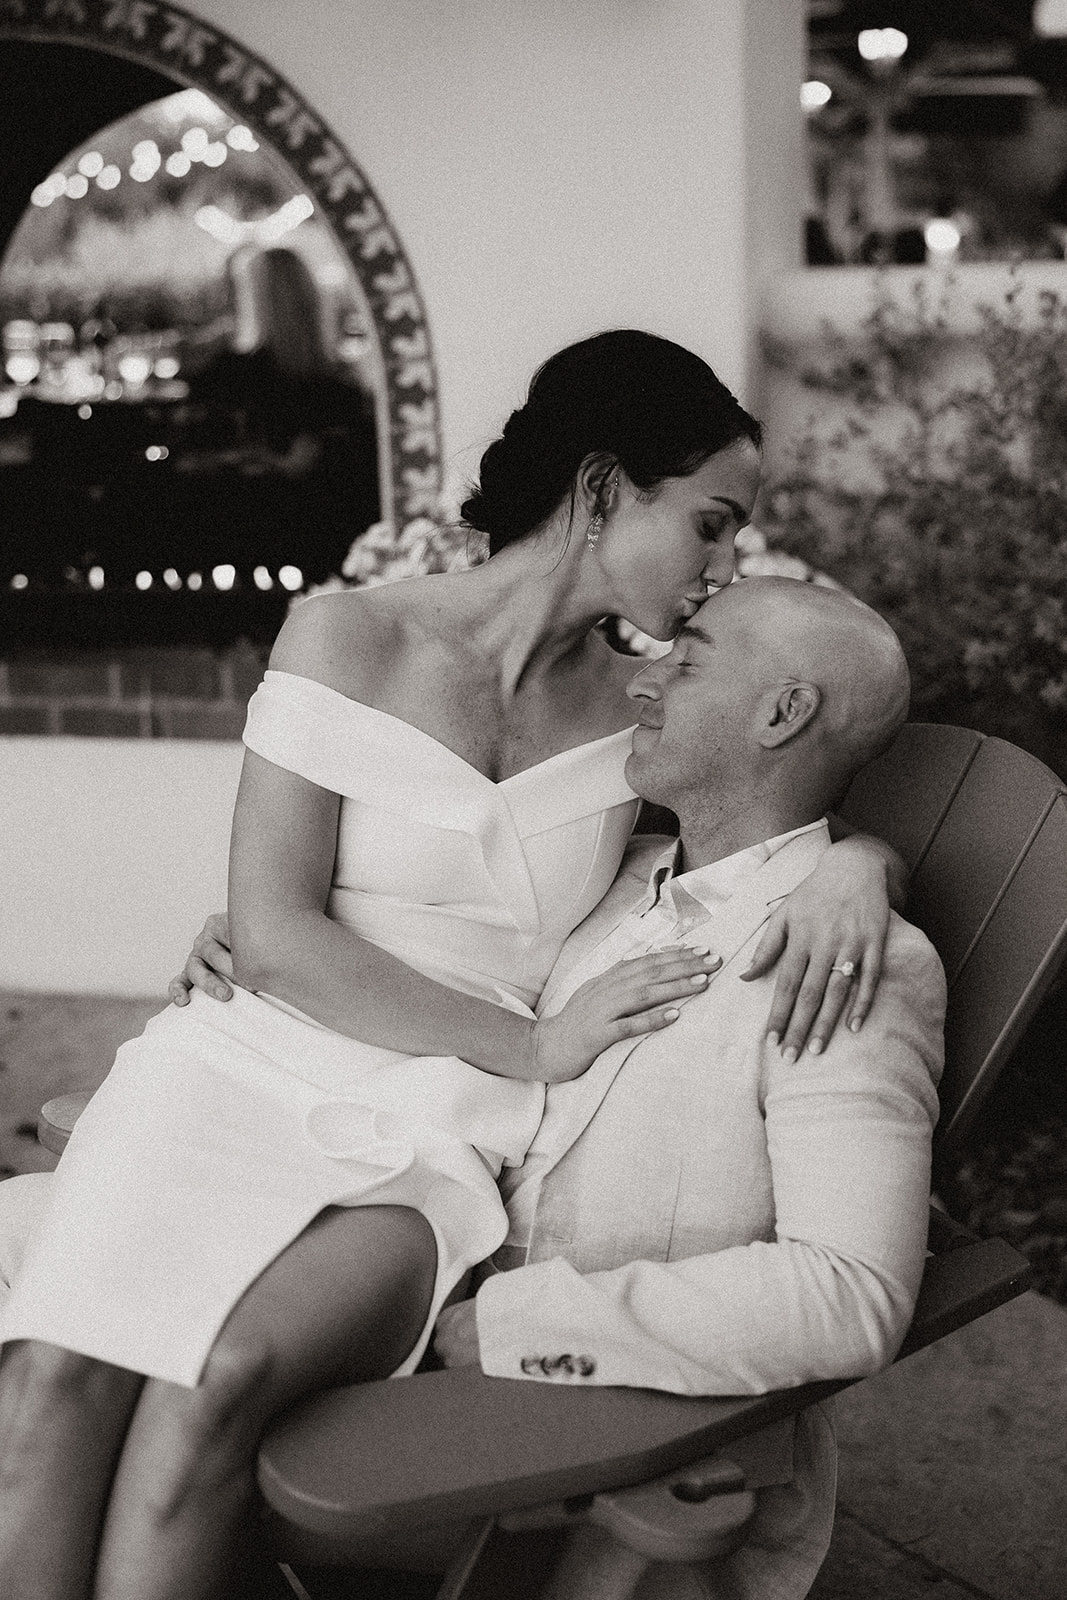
[596,521]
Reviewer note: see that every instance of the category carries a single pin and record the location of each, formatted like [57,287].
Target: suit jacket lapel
[569,1107]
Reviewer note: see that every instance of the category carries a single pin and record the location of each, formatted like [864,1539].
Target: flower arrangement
[382,554]
[941,499]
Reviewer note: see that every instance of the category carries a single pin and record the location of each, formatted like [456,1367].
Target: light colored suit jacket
[709,1219]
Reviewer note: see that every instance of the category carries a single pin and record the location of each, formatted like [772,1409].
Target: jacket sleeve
[832,1295]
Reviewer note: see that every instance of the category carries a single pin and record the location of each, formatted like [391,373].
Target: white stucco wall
[552,167]
[112,852]
[557,166]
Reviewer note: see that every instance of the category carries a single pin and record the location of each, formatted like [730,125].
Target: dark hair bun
[650,404]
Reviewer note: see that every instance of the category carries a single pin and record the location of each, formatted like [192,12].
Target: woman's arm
[896,871]
[836,917]
[282,942]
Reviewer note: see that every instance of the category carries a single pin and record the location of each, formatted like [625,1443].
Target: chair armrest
[462,1445]
[56,1119]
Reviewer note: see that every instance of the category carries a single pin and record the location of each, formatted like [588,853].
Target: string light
[262,578]
[96,577]
[143,580]
[172,579]
[91,163]
[134,370]
[224,576]
[290,578]
[942,238]
[814,95]
[22,366]
[1050,19]
[882,44]
[242,138]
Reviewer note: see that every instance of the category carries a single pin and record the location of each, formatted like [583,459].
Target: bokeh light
[815,94]
[882,44]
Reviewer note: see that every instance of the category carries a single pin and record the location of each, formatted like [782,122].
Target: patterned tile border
[185,48]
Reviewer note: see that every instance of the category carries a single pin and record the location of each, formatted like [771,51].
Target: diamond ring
[845,967]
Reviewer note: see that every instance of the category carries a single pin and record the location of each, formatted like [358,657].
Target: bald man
[703,1212]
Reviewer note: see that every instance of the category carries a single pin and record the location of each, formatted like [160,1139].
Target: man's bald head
[774,695]
[828,638]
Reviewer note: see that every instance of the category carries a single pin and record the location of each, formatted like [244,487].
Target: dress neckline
[495,783]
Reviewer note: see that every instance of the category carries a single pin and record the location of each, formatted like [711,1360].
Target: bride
[277,1195]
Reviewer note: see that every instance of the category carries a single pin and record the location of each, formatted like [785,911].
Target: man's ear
[792,709]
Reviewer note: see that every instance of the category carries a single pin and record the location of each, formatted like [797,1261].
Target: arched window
[216,366]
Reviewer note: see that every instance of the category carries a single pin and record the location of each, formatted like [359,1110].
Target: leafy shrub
[941,499]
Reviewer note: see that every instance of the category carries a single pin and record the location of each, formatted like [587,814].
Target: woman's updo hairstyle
[653,406]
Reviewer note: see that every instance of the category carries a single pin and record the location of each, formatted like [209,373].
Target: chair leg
[581,1562]
[596,1566]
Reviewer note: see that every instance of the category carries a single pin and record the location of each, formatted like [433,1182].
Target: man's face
[698,706]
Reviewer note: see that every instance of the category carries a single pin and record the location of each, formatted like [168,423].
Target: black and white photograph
[533,799]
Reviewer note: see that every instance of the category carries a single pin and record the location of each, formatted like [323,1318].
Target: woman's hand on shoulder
[828,939]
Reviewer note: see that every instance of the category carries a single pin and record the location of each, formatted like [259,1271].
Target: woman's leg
[63,1418]
[344,1303]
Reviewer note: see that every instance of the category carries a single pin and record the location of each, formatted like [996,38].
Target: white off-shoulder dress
[224,1129]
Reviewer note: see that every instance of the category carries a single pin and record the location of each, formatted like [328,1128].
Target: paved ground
[953,1475]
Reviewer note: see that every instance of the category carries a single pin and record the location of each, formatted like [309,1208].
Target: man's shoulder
[909,953]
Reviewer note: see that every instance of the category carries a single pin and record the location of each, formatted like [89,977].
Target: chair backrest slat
[904,795]
[1004,976]
[981,840]
[983,827]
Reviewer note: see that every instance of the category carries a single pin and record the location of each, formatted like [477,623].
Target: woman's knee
[231,1400]
[186,1443]
[48,1376]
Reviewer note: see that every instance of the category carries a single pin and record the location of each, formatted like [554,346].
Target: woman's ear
[598,481]
[792,709]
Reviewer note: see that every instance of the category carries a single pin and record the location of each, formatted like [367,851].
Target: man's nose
[645,686]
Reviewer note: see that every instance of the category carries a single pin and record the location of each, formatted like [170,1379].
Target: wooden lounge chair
[566,1494]
[511,1475]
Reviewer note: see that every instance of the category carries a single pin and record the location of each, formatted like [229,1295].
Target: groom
[699,1212]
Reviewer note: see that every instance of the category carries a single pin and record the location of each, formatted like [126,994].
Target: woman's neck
[528,610]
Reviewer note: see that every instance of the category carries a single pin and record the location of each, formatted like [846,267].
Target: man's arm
[849,1142]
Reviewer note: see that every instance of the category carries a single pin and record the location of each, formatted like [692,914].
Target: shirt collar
[712,885]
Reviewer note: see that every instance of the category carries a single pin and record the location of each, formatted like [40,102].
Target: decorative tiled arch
[194,52]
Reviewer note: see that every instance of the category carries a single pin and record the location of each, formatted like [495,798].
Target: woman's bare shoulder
[347,639]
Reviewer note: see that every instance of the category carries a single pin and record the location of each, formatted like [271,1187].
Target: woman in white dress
[276,1195]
